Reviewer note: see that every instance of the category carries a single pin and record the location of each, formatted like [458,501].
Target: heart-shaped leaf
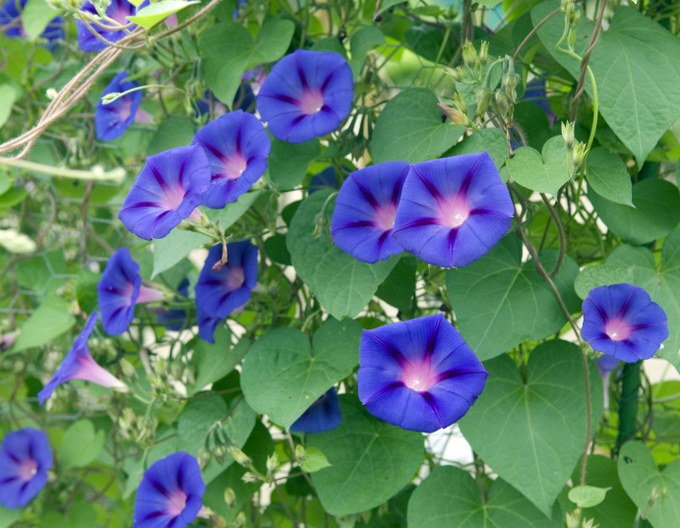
[153,14]
[656,493]
[296,373]
[608,176]
[545,172]
[531,415]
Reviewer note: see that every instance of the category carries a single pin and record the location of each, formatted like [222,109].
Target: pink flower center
[234,166]
[27,469]
[177,501]
[454,211]
[311,102]
[419,376]
[173,197]
[384,216]
[125,109]
[235,278]
[120,16]
[617,329]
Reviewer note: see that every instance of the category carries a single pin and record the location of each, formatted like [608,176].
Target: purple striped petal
[25,458]
[117,292]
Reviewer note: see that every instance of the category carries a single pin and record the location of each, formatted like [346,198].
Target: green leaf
[656,211]
[400,285]
[314,460]
[410,128]
[491,140]
[36,16]
[174,131]
[501,301]
[362,41]
[608,176]
[80,445]
[662,282]
[451,497]
[531,415]
[228,50]
[637,67]
[153,14]
[178,244]
[8,94]
[232,212]
[7,517]
[213,361]
[295,373]
[386,4]
[587,496]
[288,162]
[544,173]
[370,460]
[342,284]
[51,319]
[656,493]
[198,418]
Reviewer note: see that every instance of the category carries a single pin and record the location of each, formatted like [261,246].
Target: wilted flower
[170,494]
[113,119]
[453,210]
[365,211]
[308,94]
[167,190]
[119,289]
[622,320]
[323,415]
[117,10]
[237,147]
[79,364]
[418,374]
[10,20]
[25,457]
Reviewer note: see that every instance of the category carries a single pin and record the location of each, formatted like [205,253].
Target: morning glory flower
[453,210]
[621,320]
[325,179]
[535,93]
[25,457]
[113,119]
[117,10]
[222,289]
[170,494]
[79,364]
[119,289]
[167,191]
[365,211]
[237,147]
[308,94]
[419,374]
[10,19]
[206,325]
[323,415]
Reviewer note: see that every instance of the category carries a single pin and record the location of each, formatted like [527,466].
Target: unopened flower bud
[568,133]
[579,154]
[51,93]
[229,496]
[456,116]
[249,477]
[484,51]
[470,55]
[238,455]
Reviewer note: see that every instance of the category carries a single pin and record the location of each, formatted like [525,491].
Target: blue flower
[419,374]
[79,364]
[621,320]
[453,210]
[167,191]
[113,119]
[327,178]
[10,18]
[117,10]
[119,290]
[237,147]
[308,94]
[170,494]
[323,415]
[25,457]
[365,211]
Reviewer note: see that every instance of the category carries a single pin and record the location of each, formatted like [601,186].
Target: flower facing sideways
[419,374]
[323,415]
[113,119]
[25,458]
[79,364]
[170,494]
[117,10]
[622,320]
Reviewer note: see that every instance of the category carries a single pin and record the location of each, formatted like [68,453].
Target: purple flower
[113,119]
[622,320]
[308,94]
[365,210]
[118,10]
[323,415]
[25,457]
[453,210]
[10,19]
[535,93]
[206,325]
[170,494]
[167,191]
[607,364]
[237,147]
[220,290]
[79,364]
[327,178]
[119,289]
[418,374]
